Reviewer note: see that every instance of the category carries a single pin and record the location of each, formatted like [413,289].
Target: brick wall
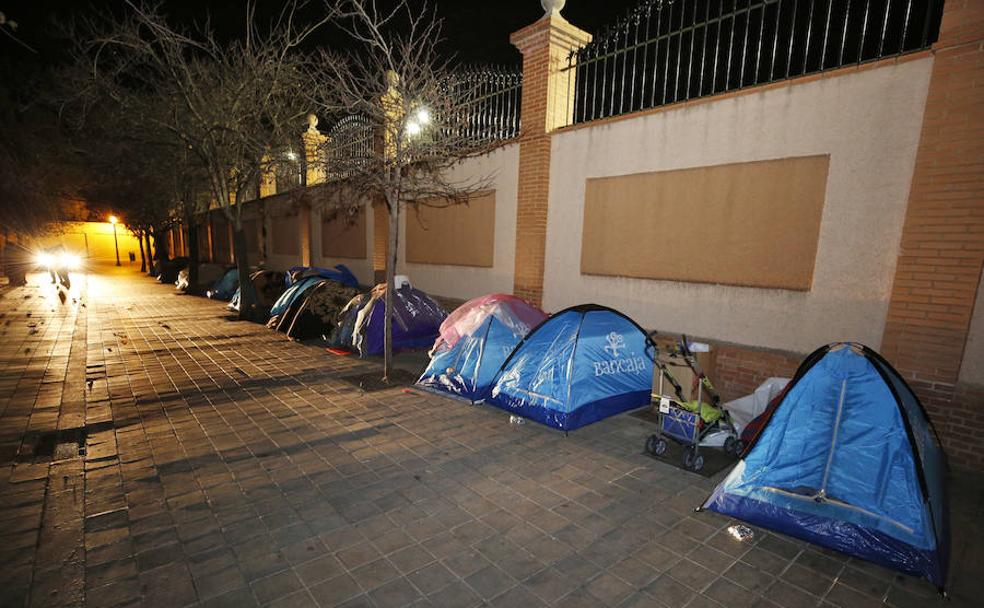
[737,370]
[546,92]
[531,217]
[963,427]
[740,370]
[942,246]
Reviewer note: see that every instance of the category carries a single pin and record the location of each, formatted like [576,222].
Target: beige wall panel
[286,239]
[868,122]
[344,237]
[458,235]
[251,230]
[500,169]
[204,253]
[752,224]
[221,239]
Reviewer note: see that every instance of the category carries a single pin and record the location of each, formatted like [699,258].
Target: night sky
[476,31]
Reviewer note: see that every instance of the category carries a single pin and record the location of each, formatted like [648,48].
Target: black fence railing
[351,147]
[480,110]
[667,51]
[491,104]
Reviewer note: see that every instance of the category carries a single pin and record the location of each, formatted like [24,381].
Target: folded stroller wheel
[656,445]
[688,458]
[692,460]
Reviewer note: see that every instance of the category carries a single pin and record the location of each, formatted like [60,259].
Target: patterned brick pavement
[226,466]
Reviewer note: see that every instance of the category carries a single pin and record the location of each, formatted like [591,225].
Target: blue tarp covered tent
[475,341]
[225,287]
[848,460]
[340,273]
[579,366]
[292,293]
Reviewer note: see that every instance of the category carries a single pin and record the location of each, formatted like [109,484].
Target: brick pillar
[304,234]
[209,226]
[268,179]
[546,105]
[942,248]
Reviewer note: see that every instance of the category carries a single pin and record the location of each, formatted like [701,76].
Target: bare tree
[413,108]
[230,105]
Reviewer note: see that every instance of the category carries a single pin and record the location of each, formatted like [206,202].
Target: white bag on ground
[747,408]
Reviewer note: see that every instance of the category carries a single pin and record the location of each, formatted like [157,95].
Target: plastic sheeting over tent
[315,312]
[475,340]
[581,365]
[848,461]
[746,409]
[417,320]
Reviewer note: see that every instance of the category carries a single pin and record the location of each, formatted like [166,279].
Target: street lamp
[113,220]
[421,118]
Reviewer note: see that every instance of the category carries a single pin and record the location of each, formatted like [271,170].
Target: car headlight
[70,261]
[45,259]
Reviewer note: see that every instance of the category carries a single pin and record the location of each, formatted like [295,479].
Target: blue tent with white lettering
[847,460]
[579,366]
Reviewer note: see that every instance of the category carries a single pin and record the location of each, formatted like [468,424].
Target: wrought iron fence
[666,51]
[490,108]
[480,109]
[350,149]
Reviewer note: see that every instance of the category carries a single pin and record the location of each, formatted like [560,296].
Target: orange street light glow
[113,219]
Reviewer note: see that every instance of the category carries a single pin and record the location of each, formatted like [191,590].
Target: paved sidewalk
[153,452]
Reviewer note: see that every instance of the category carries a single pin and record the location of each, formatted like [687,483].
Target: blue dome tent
[849,461]
[579,366]
[225,287]
[417,319]
[475,340]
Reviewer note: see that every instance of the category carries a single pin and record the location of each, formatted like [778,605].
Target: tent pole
[833,441]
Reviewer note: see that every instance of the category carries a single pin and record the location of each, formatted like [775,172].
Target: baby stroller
[691,423]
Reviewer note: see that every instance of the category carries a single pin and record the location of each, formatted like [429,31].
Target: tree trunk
[150,256]
[392,252]
[161,252]
[3,252]
[247,295]
[164,245]
[143,258]
[192,256]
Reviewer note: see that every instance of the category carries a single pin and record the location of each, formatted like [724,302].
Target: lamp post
[113,220]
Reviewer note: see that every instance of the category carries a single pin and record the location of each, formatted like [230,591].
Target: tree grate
[49,446]
[373,381]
